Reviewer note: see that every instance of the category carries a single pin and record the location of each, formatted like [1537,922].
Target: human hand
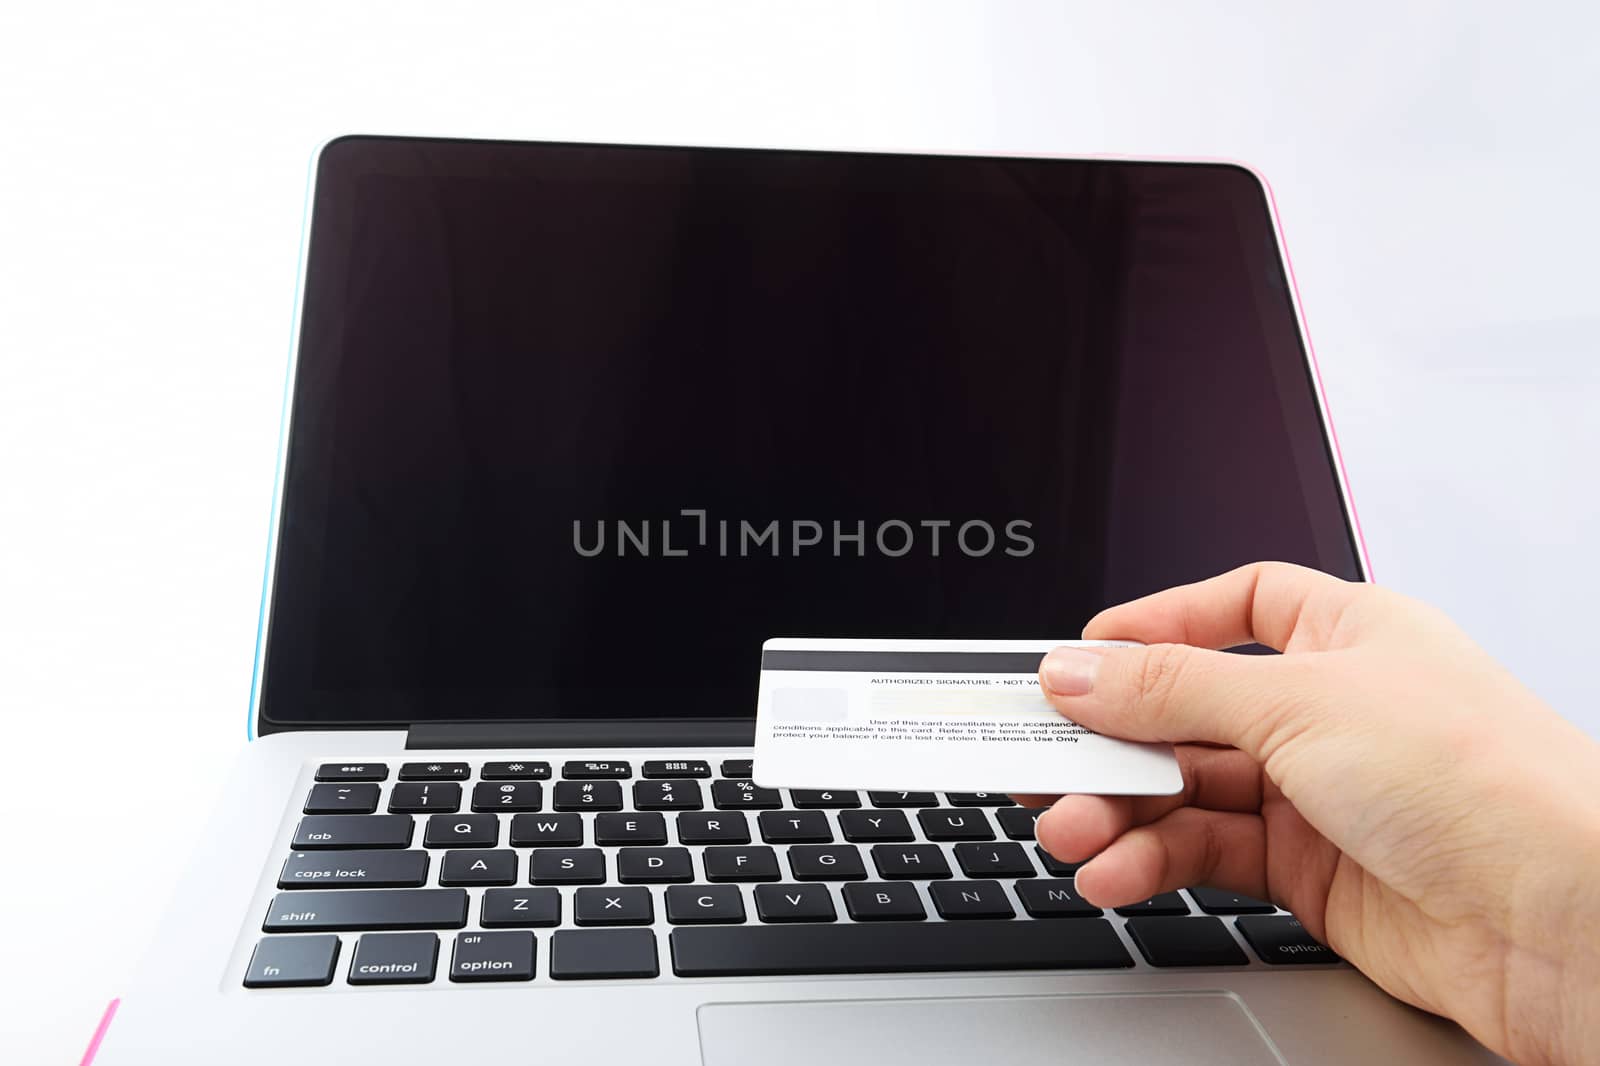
[1417,808]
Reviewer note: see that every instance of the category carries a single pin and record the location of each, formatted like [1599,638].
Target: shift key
[324,831]
[382,908]
[354,869]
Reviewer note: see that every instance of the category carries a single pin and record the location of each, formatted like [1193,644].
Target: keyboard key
[612,905]
[507,796]
[582,954]
[970,899]
[687,904]
[520,907]
[737,767]
[334,798]
[378,908]
[653,865]
[795,827]
[732,795]
[1185,942]
[826,862]
[588,796]
[740,864]
[354,869]
[794,903]
[292,961]
[1054,866]
[752,951]
[816,799]
[630,829]
[567,866]
[1017,822]
[435,771]
[883,901]
[912,862]
[546,831]
[325,831]
[1281,940]
[461,831]
[713,827]
[352,771]
[420,799]
[994,860]
[903,799]
[395,959]
[1054,899]
[515,771]
[492,957]
[1218,901]
[946,823]
[979,799]
[678,794]
[1165,903]
[676,768]
[595,771]
[875,826]
[478,868]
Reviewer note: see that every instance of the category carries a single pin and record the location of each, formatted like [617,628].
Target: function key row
[664,794]
[573,770]
[510,771]
[669,784]
[424,797]
[433,771]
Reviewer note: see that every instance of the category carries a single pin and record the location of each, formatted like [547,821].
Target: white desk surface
[1434,164]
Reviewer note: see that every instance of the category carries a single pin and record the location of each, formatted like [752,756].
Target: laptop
[571,430]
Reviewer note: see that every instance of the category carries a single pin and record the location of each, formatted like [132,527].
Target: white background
[1435,164]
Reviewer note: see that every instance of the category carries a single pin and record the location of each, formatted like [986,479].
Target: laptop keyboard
[598,870]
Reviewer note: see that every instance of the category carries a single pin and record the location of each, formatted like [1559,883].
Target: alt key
[506,956]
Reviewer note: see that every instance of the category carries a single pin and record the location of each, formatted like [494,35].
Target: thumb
[1175,693]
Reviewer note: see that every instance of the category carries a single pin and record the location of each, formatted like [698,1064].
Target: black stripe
[906,662]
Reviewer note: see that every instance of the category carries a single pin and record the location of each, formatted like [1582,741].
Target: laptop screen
[575,428]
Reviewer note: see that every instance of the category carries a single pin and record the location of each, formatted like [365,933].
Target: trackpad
[1194,1029]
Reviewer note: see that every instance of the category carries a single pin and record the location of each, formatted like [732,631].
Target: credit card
[935,715]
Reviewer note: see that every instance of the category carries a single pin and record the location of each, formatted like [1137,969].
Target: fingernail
[1069,671]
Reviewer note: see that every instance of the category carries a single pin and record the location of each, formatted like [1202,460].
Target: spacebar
[740,951]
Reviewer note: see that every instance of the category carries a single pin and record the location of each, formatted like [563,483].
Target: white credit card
[935,715]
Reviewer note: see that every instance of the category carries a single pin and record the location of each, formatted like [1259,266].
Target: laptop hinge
[625,733]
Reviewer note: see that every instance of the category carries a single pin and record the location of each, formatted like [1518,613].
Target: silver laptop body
[571,430]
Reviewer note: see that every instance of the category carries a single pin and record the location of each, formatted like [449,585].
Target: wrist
[1552,975]
[1580,1026]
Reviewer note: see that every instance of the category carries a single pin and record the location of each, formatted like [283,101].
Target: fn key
[292,961]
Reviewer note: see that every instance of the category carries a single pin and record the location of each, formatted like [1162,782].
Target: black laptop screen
[575,428]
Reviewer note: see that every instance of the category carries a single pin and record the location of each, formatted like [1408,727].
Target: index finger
[1264,603]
